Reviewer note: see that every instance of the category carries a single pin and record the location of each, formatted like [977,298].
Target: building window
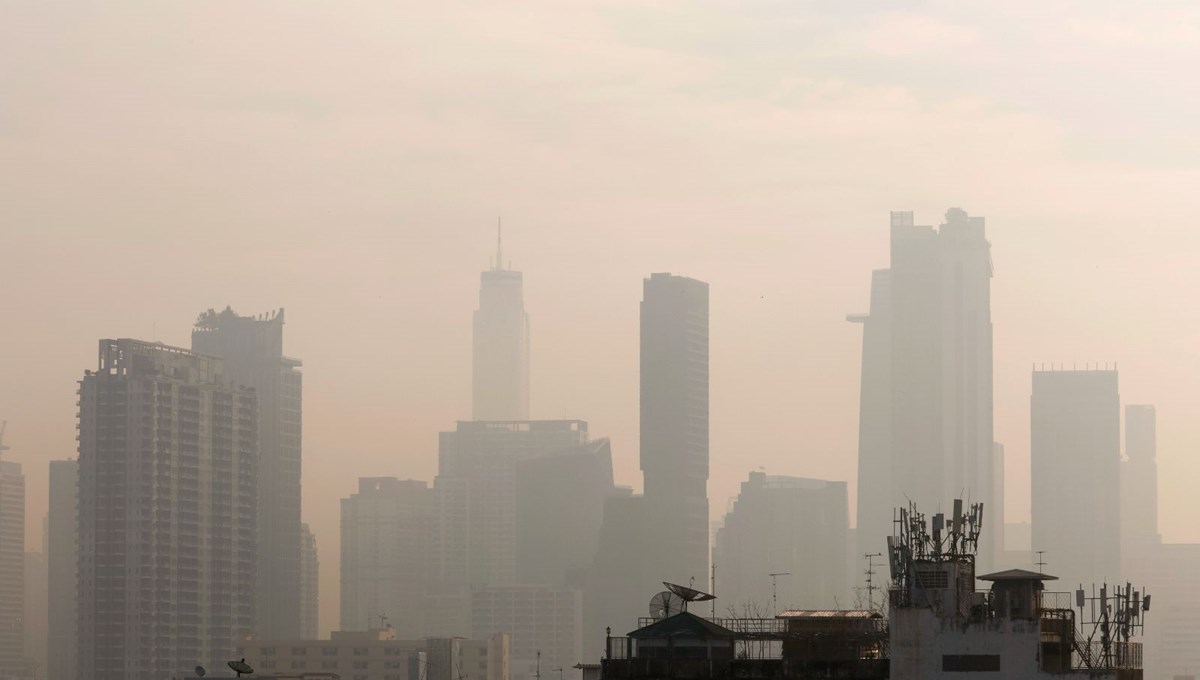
[965,663]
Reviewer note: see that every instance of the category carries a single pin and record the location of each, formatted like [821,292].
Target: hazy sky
[347,161]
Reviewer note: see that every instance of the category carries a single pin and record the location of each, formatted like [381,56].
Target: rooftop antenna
[1041,561]
[871,579]
[537,670]
[774,590]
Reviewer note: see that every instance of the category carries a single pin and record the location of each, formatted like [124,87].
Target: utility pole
[775,590]
[871,579]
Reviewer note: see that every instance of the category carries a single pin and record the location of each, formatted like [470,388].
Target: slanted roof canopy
[829,614]
[682,625]
[1017,575]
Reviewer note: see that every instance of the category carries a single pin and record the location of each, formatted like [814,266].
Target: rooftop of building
[682,625]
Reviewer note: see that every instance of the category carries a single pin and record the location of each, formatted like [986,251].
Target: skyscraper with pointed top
[500,376]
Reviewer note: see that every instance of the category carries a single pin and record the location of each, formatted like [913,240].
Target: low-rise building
[378,655]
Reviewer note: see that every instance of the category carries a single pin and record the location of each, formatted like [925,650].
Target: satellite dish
[200,672]
[240,667]
[689,594]
[665,605]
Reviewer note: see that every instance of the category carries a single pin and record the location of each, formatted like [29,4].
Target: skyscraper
[168,481]
[787,525]
[387,545]
[559,505]
[501,345]
[62,557]
[1139,481]
[674,423]
[932,437]
[252,349]
[875,501]
[12,570]
[1075,467]
[663,534]
[476,493]
[310,584]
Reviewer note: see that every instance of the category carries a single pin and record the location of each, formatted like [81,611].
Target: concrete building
[873,515]
[476,494]
[386,555]
[378,655]
[168,483]
[500,384]
[674,424]
[1075,468]
[1139,480]
[310,584]
[252,347]
[559,506]
[663,534]
[925,429]
[62,570]
[35,614]
[13,661]
[1174,583]
[786,525]
[541,620]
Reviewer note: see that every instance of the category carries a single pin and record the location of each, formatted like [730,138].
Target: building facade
[168,484]
[1139,480]
[1075,467]
[310,584]
[476,494]
[62,558]
[36,598]
[378,655]
[797,528]
[13,661]
[559,506]
[252,349]
[674,423]
[545,625]
[386,559]
[926,404]
[500,371]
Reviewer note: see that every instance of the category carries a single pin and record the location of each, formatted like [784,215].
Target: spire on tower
[499,251]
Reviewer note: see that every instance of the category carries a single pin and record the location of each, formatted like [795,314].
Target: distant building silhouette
[559,507]
[1075,467]
[476,493]
[541,619]
[378,655]
[252,347]
[501,346]
[674,422]
[310,584]
[13,662]
[386,562]
[1139,481]
[926,405]
[168,483]
[790,525]
[663,534]
[36,598]
[62,558]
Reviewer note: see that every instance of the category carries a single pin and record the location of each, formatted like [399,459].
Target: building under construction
[938,625]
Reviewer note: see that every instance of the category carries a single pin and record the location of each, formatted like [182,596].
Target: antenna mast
[871,579]
[774,590]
